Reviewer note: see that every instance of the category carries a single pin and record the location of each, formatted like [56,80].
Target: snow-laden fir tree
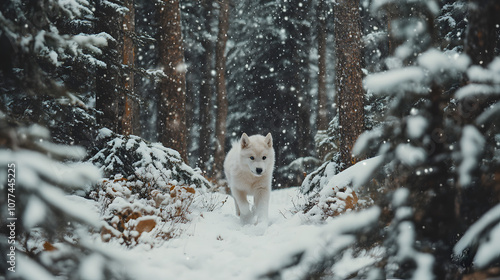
[479,166]
[50,235]
[430,151]
[49,54]
[417,141]
[39,50]
[428,144]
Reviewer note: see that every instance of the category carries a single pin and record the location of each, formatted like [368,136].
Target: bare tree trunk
[322,110]
[348,80]
[322,117]
[172,108]
[206,91]
[220,85]
[130,113]
[302,105]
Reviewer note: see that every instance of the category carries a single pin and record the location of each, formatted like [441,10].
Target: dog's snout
[259,170]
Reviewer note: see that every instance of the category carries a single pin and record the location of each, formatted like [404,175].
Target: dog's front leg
[242,206]
[261,198]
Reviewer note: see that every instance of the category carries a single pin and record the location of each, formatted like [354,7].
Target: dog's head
[257,153]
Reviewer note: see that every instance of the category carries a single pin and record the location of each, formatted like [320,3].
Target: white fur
[242,173]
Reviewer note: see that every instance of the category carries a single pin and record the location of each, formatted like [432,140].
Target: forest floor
[215,245]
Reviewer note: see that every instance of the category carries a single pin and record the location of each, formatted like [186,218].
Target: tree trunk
[322,117]
[172,108]
[220,88]
[300,46]
[108,80]
[348,79]
[322,110]
[130,116]
[206,90]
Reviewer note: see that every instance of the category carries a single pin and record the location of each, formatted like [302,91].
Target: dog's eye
[252,158]
[264,158]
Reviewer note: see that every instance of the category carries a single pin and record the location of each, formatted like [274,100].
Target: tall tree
[348,77]
[322,114]
[207,86]
[322,99]
[129,112]
[220,85]
[172,108]
[294,53]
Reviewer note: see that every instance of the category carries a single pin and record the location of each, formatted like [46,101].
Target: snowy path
[217,246]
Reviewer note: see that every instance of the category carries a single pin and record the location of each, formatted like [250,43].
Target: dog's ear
[244,141]
[269,140]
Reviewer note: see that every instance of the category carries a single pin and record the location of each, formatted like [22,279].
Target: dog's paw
[247,219]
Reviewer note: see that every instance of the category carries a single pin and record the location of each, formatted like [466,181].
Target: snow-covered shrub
[48,234]
[151,164]
[331,202]
[330,193]
[320,177]
[147,192]
[145,217]
[323,199]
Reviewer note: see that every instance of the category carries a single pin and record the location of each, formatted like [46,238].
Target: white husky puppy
[249,171]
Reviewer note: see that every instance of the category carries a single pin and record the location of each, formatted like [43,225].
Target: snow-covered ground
[215,245]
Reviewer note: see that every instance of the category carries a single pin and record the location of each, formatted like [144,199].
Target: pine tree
[322,114]
[431,160]
[207,85]
[479,107]
[348,78]
[220,86]
[39,50]
[130,111]
[172,108]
